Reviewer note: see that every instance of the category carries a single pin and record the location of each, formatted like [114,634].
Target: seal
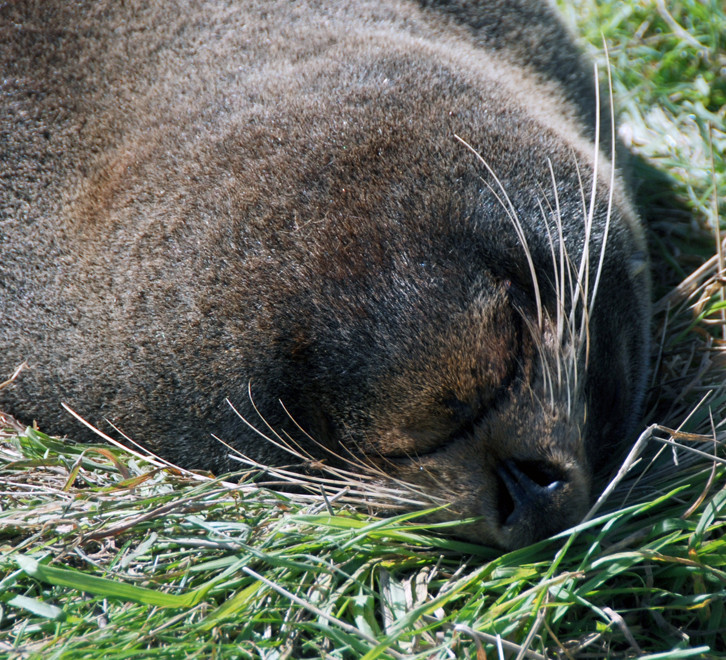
[393,230]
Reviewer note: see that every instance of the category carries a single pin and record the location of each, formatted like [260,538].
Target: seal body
[391,229]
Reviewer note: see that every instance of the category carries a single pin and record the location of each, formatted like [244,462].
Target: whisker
[558,293]
[584,271]
[561,239]
[279,442]
[512,214]
[355,461]
[611,182]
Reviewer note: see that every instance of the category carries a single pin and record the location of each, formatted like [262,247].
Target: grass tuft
[129,560]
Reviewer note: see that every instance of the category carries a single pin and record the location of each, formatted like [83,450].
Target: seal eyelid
[469,416]
[459,409]
[520,295]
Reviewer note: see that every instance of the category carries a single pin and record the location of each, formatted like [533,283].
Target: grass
[105,553]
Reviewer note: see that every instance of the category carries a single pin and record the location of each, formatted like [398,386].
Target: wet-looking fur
[391,216]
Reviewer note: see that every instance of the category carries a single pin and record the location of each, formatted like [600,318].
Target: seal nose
[528,492]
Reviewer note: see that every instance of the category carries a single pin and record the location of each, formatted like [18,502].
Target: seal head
[396,218]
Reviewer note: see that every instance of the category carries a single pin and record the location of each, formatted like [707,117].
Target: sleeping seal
[396,224]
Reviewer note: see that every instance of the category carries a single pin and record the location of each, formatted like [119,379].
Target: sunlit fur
[389,237]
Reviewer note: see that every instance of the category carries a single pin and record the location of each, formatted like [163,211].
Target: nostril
[541,473]
[505,503]
[526,487]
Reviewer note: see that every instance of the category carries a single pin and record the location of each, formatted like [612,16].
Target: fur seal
[400,219]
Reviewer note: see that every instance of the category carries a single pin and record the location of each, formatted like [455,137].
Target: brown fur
[204,195]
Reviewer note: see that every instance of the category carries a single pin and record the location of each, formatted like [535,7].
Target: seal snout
[532,499]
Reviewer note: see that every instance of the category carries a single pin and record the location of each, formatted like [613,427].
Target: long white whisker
[611,183]
[584,277]
[548,384]
[561,292]
[339,476]
[569,351]
[560,299]
[279,442]
[354,462]
[563,248]
[512,214]
[576,290]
